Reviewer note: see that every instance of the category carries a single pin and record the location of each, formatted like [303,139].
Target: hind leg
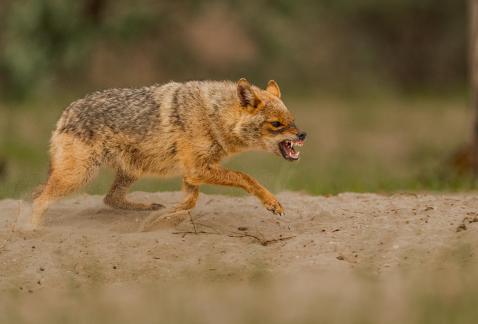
[116,198]
[73,165]
[59,185]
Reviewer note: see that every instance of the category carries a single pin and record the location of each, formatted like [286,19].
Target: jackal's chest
[157,160]
[162,162]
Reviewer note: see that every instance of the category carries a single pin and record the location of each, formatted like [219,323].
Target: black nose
[302,136]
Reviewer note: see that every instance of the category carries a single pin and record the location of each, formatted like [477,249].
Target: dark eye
[276,124]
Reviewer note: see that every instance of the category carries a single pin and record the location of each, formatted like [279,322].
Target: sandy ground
[84,242]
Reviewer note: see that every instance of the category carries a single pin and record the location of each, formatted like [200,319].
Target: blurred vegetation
[328,43]
[372,82]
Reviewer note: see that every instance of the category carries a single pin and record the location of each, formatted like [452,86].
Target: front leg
[192,193]
[218,175]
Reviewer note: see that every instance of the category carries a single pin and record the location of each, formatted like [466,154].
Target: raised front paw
[274,206]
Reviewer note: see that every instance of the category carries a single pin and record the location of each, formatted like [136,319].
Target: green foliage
[40,38]
[45,38]
[336,44]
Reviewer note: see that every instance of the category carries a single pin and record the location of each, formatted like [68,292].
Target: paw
[128,205]
[274,206]
[156,206]
[185,206]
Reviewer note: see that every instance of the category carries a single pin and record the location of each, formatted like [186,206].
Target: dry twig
[259,237]
[184,233]
[263,242]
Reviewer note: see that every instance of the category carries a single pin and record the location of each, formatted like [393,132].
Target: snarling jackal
[165,130]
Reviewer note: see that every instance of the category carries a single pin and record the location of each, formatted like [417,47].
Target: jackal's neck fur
[210,111]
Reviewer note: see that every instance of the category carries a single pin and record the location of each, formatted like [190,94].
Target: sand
[84,242]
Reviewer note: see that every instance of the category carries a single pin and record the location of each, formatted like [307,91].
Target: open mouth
[287,149]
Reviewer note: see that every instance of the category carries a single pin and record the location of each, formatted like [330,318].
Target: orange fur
[166,130]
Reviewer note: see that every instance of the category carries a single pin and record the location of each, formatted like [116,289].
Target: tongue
[292,153]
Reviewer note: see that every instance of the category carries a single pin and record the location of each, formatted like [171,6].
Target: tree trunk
[473,62]
[466,159]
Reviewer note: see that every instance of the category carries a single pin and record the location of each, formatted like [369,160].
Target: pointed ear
[246,94]
[273,87]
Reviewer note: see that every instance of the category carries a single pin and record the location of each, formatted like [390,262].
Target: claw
[276,209]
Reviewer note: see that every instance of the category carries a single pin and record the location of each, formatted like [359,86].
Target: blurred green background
[380,86]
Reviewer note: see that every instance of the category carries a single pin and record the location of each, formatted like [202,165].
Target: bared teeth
[298,143]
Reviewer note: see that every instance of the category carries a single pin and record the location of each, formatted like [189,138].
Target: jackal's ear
[273,87]
[246,94]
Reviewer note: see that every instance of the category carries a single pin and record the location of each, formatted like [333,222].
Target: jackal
[166,130]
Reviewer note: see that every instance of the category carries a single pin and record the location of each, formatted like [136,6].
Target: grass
[385,143]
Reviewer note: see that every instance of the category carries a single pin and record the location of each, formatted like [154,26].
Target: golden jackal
[162,130]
